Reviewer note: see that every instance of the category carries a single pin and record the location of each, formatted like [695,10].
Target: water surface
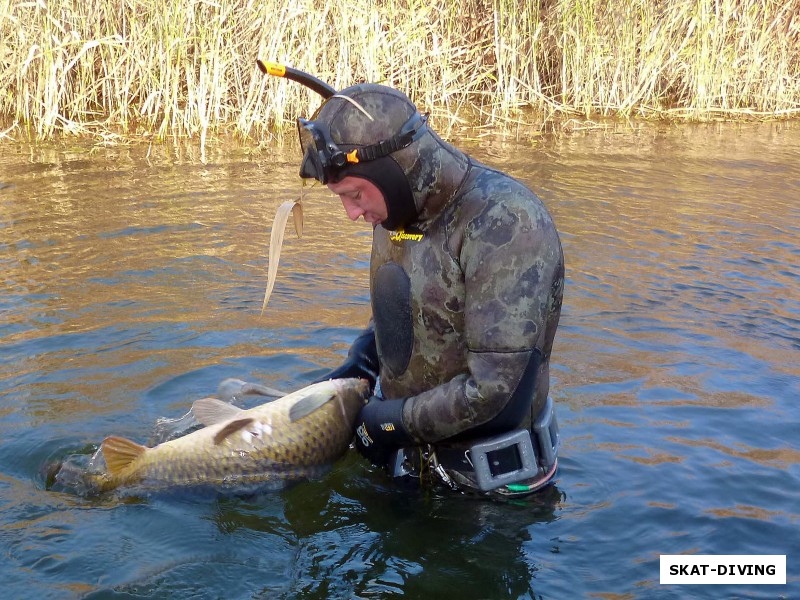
[132,281]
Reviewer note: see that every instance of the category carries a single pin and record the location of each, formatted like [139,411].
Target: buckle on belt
[504,459]
[510,458]
[501,460]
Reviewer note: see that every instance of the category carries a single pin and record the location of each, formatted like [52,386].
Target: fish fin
[210,411]
[120,452]
[231,428]
[307,405]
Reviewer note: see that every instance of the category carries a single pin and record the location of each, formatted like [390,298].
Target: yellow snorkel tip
[271,68]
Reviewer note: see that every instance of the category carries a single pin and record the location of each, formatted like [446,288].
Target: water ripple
[132,285]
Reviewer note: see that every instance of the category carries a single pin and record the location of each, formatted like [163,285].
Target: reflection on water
[132,281]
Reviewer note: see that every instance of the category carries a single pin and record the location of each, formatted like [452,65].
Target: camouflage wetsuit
[466,302]
[466,274]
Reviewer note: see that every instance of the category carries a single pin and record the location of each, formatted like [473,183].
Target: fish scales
[249,446]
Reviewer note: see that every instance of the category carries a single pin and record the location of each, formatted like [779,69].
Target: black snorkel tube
[311,82]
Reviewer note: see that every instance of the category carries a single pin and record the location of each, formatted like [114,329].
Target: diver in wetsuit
[466,281]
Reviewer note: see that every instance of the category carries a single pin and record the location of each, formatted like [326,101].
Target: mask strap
[411,131]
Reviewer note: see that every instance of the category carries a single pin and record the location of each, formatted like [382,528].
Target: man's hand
[362,360]
[380,430]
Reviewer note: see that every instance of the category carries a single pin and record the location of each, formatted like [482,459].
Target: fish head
[353,394]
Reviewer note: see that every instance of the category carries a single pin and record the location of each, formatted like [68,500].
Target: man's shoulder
[491,196]
[491,186]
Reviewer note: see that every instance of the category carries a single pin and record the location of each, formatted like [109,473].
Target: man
[466,279]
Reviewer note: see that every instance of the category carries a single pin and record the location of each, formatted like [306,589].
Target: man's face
[361,198]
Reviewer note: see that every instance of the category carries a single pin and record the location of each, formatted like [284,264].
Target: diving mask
[323,158]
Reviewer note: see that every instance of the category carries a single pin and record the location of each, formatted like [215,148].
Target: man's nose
[353,211]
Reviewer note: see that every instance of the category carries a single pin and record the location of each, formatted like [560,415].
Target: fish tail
[120,452]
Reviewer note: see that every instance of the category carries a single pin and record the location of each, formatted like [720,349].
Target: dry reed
[186,68]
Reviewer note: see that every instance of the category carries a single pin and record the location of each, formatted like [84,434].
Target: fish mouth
[364,389]
[361,385]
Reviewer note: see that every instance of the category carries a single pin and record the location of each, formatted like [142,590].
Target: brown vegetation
[178,68]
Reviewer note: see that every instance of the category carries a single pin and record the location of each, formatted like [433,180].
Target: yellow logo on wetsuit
[401,235]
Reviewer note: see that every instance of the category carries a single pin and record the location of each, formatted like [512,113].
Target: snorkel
[301,77]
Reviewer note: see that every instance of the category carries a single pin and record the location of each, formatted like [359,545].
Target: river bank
[157,69]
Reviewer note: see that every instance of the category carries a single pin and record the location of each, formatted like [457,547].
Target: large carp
[289,438]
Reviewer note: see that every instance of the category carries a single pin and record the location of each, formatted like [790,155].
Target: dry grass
[119,69]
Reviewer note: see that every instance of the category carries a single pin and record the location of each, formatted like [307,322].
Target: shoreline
[480,141]
[225,136]
[172,69]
